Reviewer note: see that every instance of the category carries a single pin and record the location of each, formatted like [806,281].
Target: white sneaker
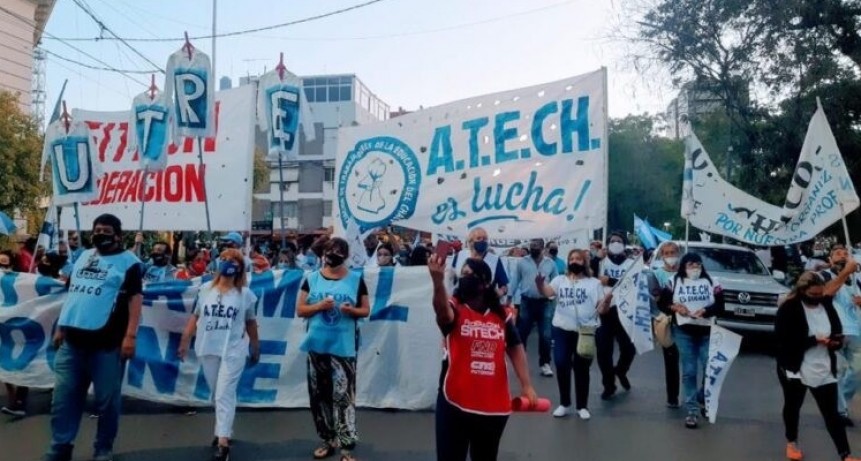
[584,414]
[546,370]
[561,411]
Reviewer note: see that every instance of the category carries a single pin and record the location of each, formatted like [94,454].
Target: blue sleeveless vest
[93,289]
[332,332]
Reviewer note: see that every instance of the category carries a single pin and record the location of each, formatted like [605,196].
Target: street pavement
[634,426]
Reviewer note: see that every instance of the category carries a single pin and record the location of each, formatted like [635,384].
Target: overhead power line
[90,66]
[88,10]
[228,34]
[64,42]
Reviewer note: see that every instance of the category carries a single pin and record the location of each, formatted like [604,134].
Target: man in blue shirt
[535,308]
[159,268]
[553,253]
[96,334]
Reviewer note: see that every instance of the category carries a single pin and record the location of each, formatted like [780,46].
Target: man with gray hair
[478,247]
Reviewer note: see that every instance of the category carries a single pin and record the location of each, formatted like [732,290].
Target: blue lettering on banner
[381,310]
[283,110]
[151,129]
[441,153]
[579,125]
[163,366]
[543,148]
[34,338]
[191,98]
[473,126]
[246,391]
[171,292]
[501,135]
[72,169]
[269,294]
[7,288]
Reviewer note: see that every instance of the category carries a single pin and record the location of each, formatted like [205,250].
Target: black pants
[612,330]
[566,358]
[17,396]
[459,432]
[826,399]
[671,372]
[538,311]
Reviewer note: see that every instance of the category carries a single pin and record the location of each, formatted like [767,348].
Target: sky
[410,53]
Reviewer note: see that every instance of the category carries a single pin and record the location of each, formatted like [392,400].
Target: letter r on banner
[191,99]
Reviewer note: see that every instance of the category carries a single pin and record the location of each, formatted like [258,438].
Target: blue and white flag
[150,129]
[282,111]
[633,301]
[190,85]
[7,225]
[644,233]
[48,230]
[74,162]
[659,234]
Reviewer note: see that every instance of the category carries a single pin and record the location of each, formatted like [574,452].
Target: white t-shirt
[221,320]
[695,295]
[816,366]
[576,302]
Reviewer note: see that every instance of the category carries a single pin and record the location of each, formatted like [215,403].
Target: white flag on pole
[632,299]
[723,349]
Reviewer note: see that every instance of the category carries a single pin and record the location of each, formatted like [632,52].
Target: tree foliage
[767,61]
[645,174]
[20,154]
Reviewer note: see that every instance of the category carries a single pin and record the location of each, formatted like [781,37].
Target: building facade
[308,184]
[21,26]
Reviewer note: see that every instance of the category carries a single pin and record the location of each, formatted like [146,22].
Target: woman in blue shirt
[333,299]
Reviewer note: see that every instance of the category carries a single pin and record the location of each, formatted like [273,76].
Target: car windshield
[735,261]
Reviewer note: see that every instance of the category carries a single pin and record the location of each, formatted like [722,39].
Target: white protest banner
[398,361]
[190,86]
[573,241]
[723,349]
[820,193]
[632,300]
[175,195]
[524,163]
[281,111]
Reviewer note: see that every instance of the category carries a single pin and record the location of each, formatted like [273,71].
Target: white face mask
[694,274]
[671,261]
[616,248]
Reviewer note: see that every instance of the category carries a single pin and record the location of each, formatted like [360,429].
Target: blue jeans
[694,354]
[75,369]
[848,383]
[536,310]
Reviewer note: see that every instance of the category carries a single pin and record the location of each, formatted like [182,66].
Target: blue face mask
[228,268]
[480,247]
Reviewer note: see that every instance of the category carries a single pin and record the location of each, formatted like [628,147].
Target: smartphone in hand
[443,248]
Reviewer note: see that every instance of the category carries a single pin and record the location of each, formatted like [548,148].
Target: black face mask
[535,252]
[468,287]
[811,300]
[159,259]
[576,269]
[104,242]
[334,260]
[553,252]
[45,269]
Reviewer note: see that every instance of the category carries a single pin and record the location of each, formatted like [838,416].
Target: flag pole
[203,180]
[143,198]
[845,227]
[687,232]
[78,222]
[281,202]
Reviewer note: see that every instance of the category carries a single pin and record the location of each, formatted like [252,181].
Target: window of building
[309,94]
[320,94]
[346,91]
[289,209]
[327,208]
[329,174]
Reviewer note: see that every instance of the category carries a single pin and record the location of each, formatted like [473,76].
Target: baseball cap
[232,237]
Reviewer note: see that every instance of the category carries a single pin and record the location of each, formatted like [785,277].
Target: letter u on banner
[73,169]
